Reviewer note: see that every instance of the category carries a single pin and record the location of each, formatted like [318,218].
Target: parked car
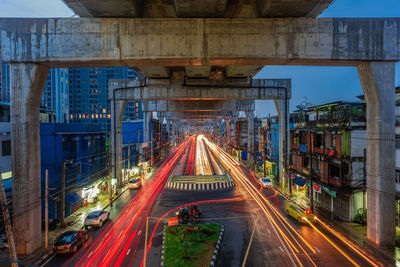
[265,182]
[96,218]
[134,183]
[69,241]
[298,214]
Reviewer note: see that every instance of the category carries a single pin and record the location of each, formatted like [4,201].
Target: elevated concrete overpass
[217,40]
[197,9]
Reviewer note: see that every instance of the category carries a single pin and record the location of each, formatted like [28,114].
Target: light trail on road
[181,206]
[118,237]
[229,162]
[203,166]
[288,241]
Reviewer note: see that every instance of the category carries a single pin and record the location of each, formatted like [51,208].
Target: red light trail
[108,248]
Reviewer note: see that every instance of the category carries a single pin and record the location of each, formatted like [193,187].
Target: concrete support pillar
[117,110]
[282,107]
[147,130]
[250,138]
[27,85]
[228,131]
[378,83]
[146,126]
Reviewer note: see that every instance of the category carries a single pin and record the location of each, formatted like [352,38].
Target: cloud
[34,8]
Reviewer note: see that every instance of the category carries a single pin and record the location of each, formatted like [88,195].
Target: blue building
[132,138]
[82,148]
[88,95]
[270,134]
[55,96]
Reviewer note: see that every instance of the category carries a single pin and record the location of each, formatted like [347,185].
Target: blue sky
[318,84]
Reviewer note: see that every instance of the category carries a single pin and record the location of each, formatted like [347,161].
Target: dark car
[69,241]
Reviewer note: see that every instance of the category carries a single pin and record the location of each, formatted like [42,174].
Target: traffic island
[192,245]
[200,183]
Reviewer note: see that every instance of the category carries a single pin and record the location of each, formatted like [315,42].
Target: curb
[115,198]
[50,253]
[44,258]
[217,247]
[163,247]
[200,187]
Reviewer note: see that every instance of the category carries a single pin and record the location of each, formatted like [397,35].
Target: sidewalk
[75,221]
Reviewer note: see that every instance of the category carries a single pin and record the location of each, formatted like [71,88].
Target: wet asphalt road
[238,216]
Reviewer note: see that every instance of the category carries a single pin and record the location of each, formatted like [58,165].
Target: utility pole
[129,154]
[109,174]
[311,180]
[46,211]
[7,224]
[62,194]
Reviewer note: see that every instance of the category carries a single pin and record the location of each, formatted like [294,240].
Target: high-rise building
[55,97]
[88,95]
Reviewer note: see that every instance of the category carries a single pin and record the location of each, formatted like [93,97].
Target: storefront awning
[73,198]
[330,192]
[300,181]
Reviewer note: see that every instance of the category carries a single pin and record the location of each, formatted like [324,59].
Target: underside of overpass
[200,51]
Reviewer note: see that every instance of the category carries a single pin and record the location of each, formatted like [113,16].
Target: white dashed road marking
[281,248]
[129,251]
[317,249]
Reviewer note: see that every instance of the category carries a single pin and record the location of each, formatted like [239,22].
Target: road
[116,243]
[278,240]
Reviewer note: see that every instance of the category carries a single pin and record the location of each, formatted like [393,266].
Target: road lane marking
[281,249]
[129,251]
[317,249]
[88,256]
[269,231]
[140,231]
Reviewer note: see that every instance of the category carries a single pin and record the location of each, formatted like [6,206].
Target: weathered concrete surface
[203,9]
[197,105]
[250,138]
[27,83]
[174,90]
[227,125]
[378,83]
[79,42]
[146,126]
[282,107]
[117,111]
[200,114]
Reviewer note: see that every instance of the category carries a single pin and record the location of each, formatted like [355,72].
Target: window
[333,171]
[6,148]
[319,140]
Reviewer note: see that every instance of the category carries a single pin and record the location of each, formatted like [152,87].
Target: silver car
[96,218]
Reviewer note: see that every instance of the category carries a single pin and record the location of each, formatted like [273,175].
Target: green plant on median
[190,245]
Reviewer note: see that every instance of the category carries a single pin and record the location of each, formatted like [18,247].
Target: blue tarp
[303,148]
[300,181]
[73,198]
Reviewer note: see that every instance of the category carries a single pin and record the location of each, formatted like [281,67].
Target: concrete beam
[200,114]
[170,89]
[378,83]
[197,105]
[82,42]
